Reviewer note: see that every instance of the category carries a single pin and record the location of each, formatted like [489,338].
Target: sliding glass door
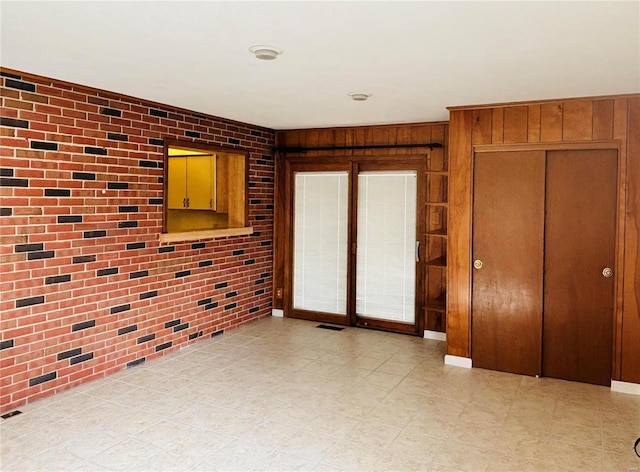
[386,248]
[353,244]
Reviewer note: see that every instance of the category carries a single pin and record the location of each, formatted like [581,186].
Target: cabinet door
[200,182]
[508,230]
[580,243]
[177,185]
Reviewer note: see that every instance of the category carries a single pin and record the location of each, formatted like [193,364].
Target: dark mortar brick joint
[204,301]
[6,344]
[230,306]
[233,141]
[265,243]
[211,306]
[230,294]
[192,134]
[264,275]
[156,142]
[237,252]
[220,285]
[254,309]
[205,263]
[182,273]
[155,201]
[249,261]
[258,292]
[29,301]
[198,246]
[6,211]
[217,333]
[195,335]
[161,347]
[138,274]
[118,185]
[170,324]
[6,172]
[164,249]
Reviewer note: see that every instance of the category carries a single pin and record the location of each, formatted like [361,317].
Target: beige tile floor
[282,395]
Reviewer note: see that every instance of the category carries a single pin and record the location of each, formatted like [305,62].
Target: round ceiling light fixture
[265,53]
[359,96]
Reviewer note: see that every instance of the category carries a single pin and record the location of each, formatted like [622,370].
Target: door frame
[352,163]
[619,237]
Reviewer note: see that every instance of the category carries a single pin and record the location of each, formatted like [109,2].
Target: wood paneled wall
[417,133]
[599,121]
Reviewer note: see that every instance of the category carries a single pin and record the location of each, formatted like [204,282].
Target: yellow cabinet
[192,183]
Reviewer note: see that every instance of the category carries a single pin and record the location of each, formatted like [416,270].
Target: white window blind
[385,272]
[320,242]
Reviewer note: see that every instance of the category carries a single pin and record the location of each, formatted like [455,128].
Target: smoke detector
[265,53]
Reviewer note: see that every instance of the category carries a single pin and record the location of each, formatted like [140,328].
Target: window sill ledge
[206,234]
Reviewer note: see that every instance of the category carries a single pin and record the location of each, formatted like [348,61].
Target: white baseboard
[625,387]
[458,361]
[277,313]
[437,335]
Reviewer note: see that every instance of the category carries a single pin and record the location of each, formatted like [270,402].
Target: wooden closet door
[508,231]
[581,202]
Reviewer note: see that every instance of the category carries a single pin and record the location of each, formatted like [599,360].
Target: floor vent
[10,414]
[332,328]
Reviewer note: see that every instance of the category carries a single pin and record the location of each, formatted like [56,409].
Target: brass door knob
[477,264]
[607,272]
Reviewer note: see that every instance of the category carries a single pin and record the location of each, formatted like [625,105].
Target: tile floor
[281,395]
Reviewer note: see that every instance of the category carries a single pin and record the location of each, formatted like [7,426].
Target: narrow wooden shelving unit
[435,237]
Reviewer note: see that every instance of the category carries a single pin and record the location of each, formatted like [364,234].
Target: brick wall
[86,288]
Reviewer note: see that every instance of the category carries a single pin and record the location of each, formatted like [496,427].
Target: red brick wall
[86,288]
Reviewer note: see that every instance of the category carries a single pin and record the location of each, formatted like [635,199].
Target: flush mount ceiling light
[266,53]
[359,97]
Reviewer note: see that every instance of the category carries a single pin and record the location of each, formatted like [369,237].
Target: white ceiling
[416,58]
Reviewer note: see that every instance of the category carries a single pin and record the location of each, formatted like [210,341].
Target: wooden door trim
[609,144]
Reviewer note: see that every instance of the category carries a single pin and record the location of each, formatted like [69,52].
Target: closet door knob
[477,264]
[607,272]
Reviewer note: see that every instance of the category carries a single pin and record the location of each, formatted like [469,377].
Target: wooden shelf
[438,262]
[437,232]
